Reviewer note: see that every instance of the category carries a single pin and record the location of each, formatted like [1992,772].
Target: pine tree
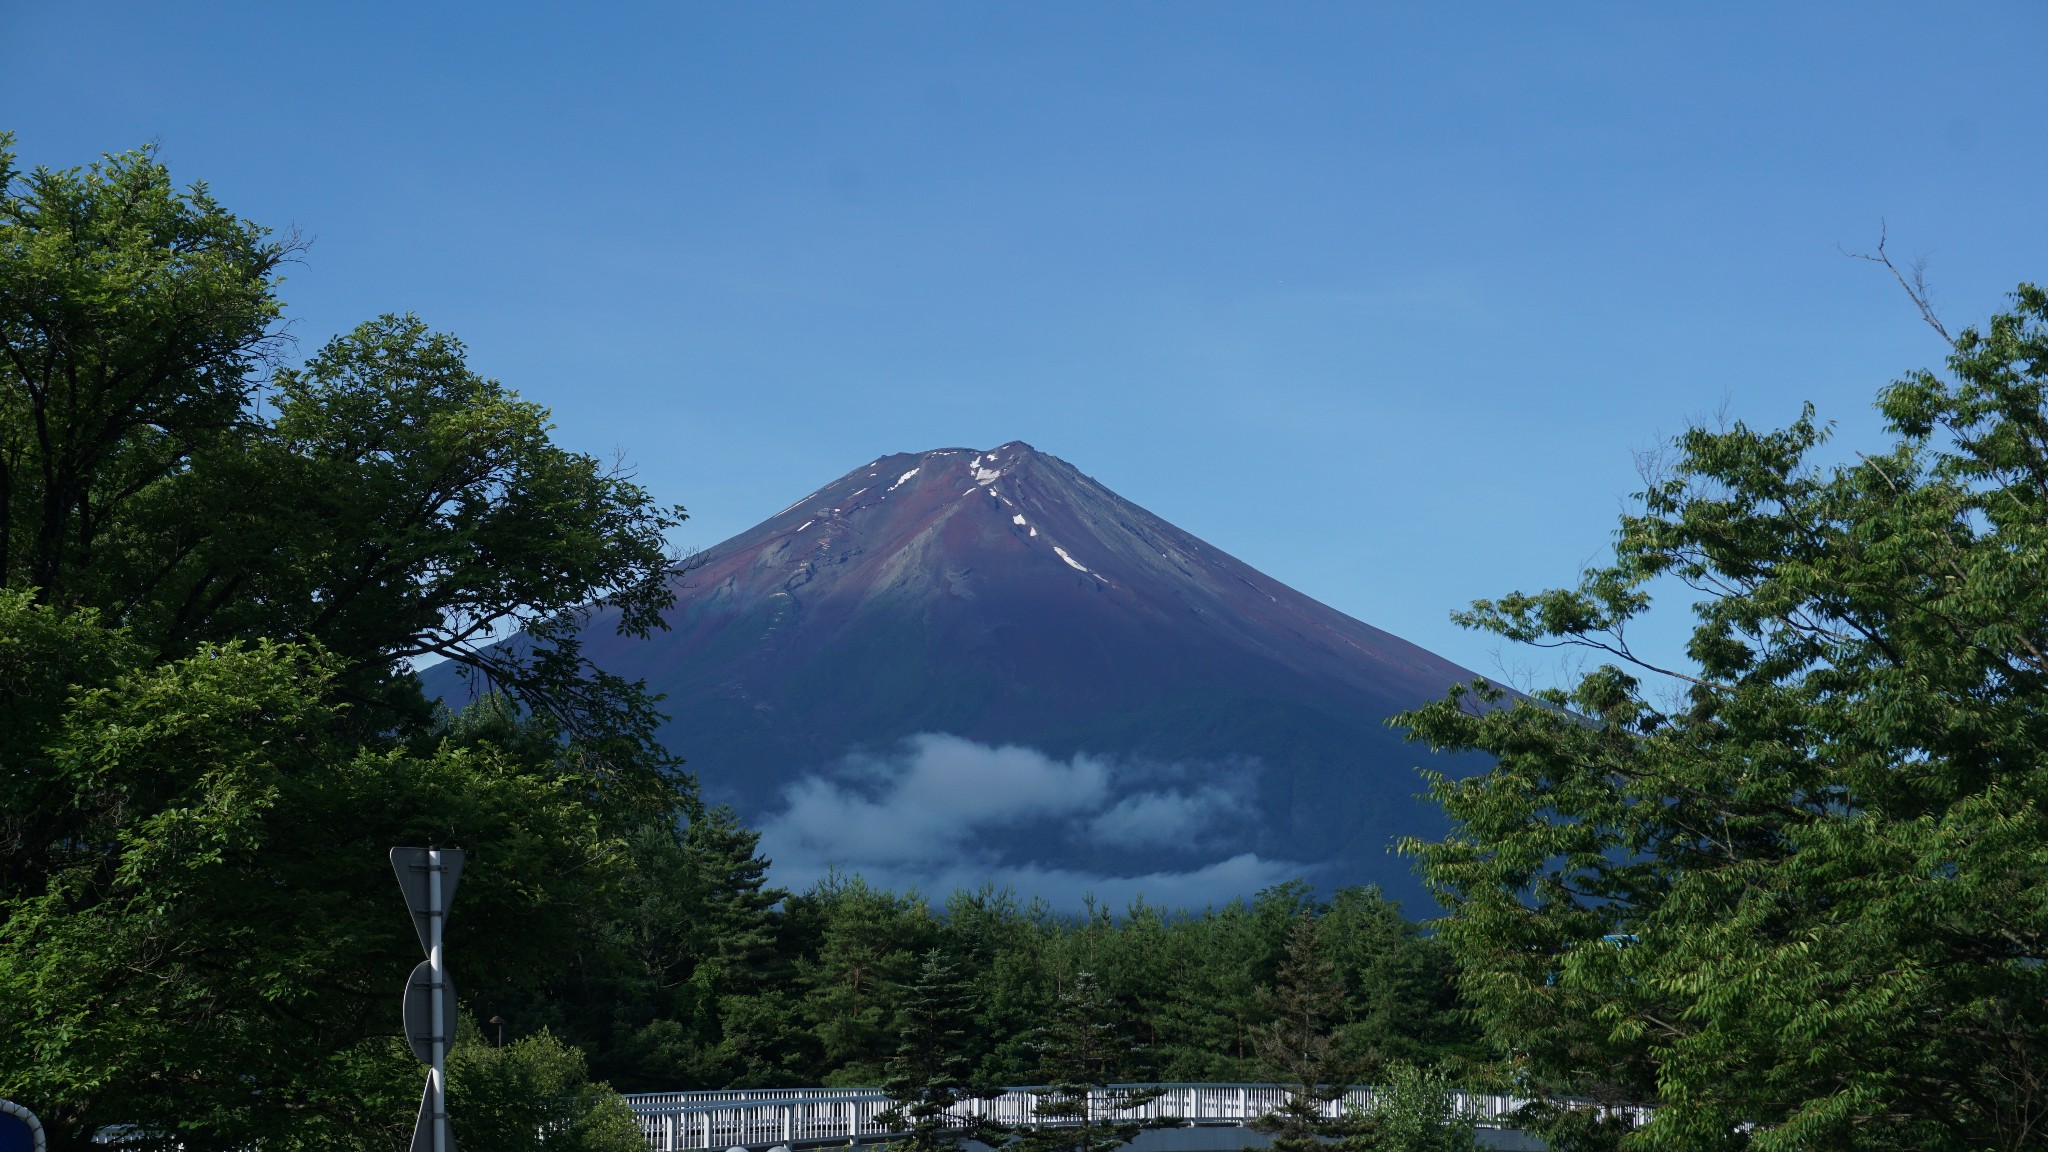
[1300,1046]
[928,1077]
[738,913]
[1077,1110]
[867,946]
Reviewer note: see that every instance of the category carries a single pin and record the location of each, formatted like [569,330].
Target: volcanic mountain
[959,664]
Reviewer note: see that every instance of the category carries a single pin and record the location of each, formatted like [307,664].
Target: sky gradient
[1380,299]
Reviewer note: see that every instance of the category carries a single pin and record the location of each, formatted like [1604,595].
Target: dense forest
[723,984]
[1793,892]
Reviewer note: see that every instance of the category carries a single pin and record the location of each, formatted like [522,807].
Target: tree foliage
[133,318]
[1191,987]
[1416,1110]
[1300,1047]
[210,950]
[215,571]
[927,1079]
[1809,891]
[382,500]
[1080,1046]
[532,1093]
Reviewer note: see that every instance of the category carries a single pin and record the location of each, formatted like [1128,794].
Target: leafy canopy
[382,501]
[215,571]
[1809,892]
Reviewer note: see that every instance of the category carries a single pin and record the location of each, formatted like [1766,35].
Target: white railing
[672,1121]
[676,1121]
[657,1099]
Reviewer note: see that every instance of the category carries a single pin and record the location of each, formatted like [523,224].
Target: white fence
[674,1121]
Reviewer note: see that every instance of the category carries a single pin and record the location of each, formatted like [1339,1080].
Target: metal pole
[437,1075]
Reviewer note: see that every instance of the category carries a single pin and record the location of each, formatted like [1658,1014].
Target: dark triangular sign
[411,866]
[423,1128]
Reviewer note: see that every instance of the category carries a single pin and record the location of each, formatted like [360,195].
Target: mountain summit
[959,664]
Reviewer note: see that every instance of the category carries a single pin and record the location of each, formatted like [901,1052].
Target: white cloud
[926,803]
[926,815]
[1159,819]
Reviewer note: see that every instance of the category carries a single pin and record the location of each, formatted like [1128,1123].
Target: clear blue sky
[1379,298]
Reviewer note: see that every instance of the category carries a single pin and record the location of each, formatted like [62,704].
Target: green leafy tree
[133,317]
[701,941]
[747,970]
[1826,851]
[1416,1110]
[213,956]
[423,509]
[532,1094]
[1078,1111]
[687,938]
[215,572]
[1300,1046]
[927,1078]
[739,925]
[392,505]
[1576,1126]
[1195,986]
[1190,984]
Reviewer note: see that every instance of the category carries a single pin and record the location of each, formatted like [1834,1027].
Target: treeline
[730,988]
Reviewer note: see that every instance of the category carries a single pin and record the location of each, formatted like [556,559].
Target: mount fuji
[953,667]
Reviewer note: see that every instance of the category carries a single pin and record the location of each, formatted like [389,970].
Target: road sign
[428,877]
[433,1114]
[413,876]
[20,1131]
[421,1027]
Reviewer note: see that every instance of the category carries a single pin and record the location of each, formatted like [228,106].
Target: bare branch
[1916,288]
